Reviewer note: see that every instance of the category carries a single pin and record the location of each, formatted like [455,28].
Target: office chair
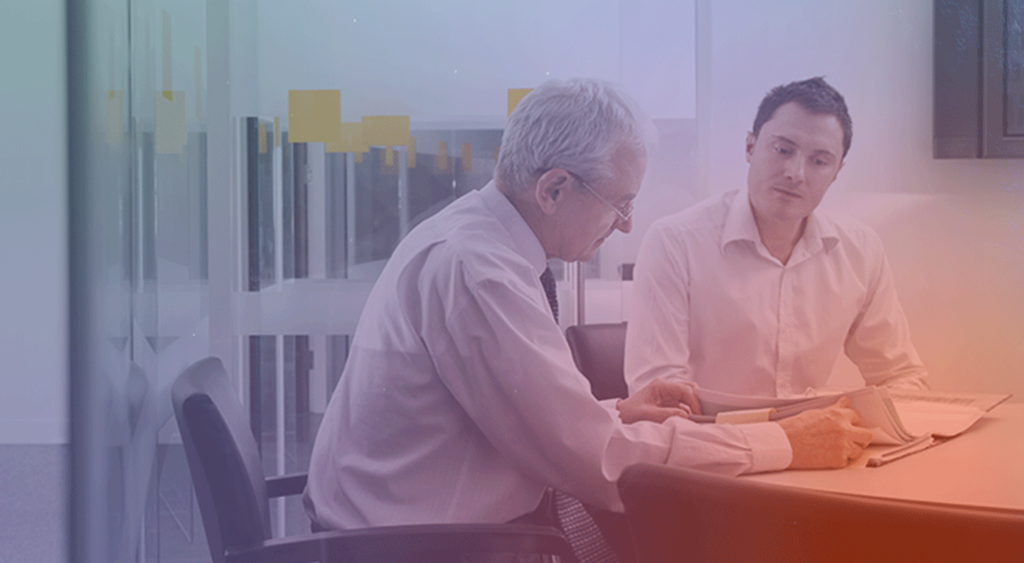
[685,515]
[233,496]
[598,350]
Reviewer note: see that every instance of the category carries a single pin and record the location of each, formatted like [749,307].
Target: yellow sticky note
[115,117]
[515,95]
[314,115]
[410,152]
[170,122]
[467,157]
[442,156]
[386,130]
[350,139]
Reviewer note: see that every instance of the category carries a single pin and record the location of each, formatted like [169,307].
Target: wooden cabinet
[979,79]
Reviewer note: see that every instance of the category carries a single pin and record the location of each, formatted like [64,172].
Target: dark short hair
[814,95]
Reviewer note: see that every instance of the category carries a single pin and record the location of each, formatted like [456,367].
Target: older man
[460,401]
[754,292]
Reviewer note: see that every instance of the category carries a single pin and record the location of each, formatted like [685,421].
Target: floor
[34,513]
[33,507]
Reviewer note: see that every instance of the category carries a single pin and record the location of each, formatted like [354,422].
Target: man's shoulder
[850,231]
[475,245]
[706,216]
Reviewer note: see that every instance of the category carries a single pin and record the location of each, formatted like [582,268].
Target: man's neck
[533,216]
[780,238]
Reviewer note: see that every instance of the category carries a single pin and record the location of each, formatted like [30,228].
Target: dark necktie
[586,539]
[547,279]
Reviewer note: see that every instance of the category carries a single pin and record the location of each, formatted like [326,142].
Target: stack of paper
[912,420]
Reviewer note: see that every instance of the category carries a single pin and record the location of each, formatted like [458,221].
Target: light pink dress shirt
[711,305]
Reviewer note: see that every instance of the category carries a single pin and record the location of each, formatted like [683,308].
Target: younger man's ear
[550,189]
[751,141]
[838,168]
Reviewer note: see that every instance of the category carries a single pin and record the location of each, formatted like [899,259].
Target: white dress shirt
[460,401]
[713,306]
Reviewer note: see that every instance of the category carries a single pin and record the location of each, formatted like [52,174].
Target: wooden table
[983,467]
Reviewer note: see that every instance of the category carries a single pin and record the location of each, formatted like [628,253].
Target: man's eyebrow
[790,141]
[786,139]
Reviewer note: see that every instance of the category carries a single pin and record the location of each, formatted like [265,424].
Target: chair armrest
[390,542]
[286,485]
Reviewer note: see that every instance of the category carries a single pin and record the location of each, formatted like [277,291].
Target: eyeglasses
[624,214]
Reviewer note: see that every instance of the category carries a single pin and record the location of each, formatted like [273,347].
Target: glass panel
[211,223]
[168,64]
[345,201]
[140,298]
[110,408]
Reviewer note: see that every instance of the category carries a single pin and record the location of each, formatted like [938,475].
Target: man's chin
[585,255]
[589,255]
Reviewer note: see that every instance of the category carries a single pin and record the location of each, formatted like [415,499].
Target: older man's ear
[550,189]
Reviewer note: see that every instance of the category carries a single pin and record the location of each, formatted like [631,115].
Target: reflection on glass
[264,252]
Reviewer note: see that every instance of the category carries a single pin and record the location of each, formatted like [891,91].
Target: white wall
[952,228]
[455,59]
[33,249]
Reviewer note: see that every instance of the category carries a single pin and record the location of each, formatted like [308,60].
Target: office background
[952,228]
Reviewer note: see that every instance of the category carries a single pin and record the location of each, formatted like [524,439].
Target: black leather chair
[233,496]
[685,515]
[598,350]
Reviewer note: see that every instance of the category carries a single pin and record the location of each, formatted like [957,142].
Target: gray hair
[577,125]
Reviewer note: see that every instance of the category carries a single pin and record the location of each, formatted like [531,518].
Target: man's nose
[624,226]
[795,169]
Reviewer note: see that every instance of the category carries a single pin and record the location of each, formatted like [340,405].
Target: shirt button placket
[784,372]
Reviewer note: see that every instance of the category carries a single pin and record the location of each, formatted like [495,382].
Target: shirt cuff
[612,406]
[770,446]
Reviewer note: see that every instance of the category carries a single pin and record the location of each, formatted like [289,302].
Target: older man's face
[589,220]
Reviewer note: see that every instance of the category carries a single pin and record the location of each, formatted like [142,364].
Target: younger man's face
[793,161]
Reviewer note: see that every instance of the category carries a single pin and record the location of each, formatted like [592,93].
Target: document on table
[911,420]
[943,415]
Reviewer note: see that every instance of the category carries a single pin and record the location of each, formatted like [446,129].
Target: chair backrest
[598,350]
[222,458]
[677,514]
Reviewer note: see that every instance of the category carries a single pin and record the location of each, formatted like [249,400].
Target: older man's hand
[659,400]
[826,438]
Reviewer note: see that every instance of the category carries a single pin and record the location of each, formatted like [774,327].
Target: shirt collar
[523,237]
[740,225]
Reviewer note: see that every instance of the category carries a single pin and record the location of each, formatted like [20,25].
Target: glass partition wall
[139,299]
[239,174]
